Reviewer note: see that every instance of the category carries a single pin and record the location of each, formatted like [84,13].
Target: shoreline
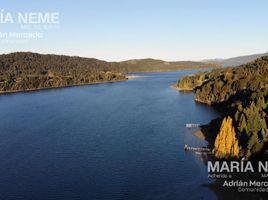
[172,70]
[181,89]
[131,77]
[199,134]
[127,77]
[58,87]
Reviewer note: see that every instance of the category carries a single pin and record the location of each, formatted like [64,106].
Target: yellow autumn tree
[226,143]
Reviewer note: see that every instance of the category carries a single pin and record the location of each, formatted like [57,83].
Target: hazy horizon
[124,30]
[135,58]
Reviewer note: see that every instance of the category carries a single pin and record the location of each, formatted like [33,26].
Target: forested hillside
[240,93]
[29,71]
[152,65]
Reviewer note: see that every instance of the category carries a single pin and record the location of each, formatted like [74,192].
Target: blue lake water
[108,141]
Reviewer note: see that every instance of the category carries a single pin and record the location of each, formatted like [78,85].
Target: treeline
[28,71]
[241,93]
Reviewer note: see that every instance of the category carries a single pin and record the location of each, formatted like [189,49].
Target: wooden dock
[196,149]
[192,125]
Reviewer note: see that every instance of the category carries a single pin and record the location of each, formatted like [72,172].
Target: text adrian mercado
[250,183]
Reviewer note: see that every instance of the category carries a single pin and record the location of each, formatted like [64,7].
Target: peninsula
[241,95]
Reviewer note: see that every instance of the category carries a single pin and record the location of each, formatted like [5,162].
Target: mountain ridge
[235,61]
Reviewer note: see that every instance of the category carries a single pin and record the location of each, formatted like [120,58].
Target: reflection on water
[109,141]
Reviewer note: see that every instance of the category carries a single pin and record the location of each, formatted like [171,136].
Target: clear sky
[165,29]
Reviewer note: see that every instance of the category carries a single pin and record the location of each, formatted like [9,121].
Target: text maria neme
[29,17]
[236,166]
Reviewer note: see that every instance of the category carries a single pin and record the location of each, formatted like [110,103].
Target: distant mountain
[236,60]
[153,65]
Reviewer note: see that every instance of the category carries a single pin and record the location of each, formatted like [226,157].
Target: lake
[108,141]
